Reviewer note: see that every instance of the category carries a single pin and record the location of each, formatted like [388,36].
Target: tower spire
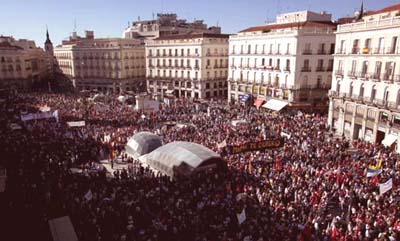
[361,10]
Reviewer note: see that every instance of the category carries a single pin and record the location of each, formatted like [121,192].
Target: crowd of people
[313,188]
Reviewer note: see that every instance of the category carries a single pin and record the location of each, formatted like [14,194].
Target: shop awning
[275,105]
[244,98]
[258,102]
[389,140]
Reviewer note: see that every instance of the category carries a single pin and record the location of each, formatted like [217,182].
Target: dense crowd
[313,188]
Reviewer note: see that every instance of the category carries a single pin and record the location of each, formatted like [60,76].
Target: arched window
[386,95]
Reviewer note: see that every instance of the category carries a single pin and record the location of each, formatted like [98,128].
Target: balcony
[390,50]
[277,68]
[306,69]
[355,50]
[362,75]
[374,76]
[320,69]
[396,78]
[388,78]
[307,52]
[381,103]
[368,100]
[286,69]
[329,69]
[321,51]
[341,51]
[379,51]
[339,73]
[393,106]
[333,94]
[352,74]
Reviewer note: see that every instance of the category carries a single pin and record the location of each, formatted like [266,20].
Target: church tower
[48,45]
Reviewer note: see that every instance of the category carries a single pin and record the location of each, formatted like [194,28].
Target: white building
[289,60]
[192,65]
[109,65]
[365,93]
[166,24]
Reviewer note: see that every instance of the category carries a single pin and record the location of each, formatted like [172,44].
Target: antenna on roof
[153,16]
[309,5]
[74,24]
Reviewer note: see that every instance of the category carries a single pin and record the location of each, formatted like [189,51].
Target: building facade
[289,60]
[110,65]
[21,63]
[164,25]
[365,92]
[191,66]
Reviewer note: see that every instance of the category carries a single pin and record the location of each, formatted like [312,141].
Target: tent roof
[176,153]
[142,143]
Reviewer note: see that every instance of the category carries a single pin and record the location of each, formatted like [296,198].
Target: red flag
[374,181]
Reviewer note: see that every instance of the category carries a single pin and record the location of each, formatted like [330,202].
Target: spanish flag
[377,166]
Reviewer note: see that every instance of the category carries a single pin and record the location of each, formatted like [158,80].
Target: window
[378,68]
[386,95]
[353,66]
[332,50]
[362,90]
[342,49]
[248,49]
[287,48]
[367,44]
[170,52]
[364,68]
[351,89]
[393,46]
[176,52]
[278,64]
[373,93]
[355,46]
[196,51]
[381,45]
[287,68]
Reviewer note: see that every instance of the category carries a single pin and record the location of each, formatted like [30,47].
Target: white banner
[76,123]
[384,187]
[38,116]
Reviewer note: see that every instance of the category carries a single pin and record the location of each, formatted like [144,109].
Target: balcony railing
[341,51]
[362,75]
[306,69]
[320,69]
[333,94]
[375,76]
[321,51]
[355,50]
[339,73]
[352,74]
[307,52]
[286,69]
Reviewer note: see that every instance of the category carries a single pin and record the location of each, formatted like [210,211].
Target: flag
[374,181]
[372,173]
[89,195]
[377,166]
[222,144]
[384,187]
[241,216]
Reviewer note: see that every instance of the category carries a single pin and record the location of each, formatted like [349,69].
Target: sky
[27,19]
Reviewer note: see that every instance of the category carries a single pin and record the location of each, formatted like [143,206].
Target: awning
[244,98]
[258,102]
[275,105]
[170,92]
[389,140]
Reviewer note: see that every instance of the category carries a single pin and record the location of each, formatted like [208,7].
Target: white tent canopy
[275,105]
[236,122]
[182,158]
[142,143]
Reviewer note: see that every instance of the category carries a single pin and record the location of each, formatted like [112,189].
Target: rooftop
[193,36]
[269,27]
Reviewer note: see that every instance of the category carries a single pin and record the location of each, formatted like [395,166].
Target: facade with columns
[365,92]
[110,65]
[192,65]
[290,60]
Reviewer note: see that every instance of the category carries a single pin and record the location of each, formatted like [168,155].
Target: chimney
[89,34]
